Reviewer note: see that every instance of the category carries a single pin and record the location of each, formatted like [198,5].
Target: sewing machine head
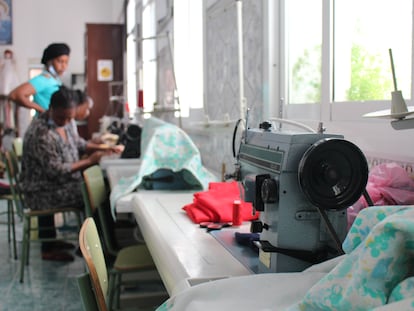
[302,184]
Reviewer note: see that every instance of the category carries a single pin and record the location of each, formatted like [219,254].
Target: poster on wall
[105,70]
[5,21]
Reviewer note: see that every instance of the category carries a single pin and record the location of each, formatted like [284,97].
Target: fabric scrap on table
[216,204]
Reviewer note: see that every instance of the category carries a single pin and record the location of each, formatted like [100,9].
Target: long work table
[115,169]
[184,253]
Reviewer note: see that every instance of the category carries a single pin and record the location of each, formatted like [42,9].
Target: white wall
[41,22]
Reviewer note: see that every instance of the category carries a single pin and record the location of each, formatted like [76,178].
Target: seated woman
[53,157]
[84,105]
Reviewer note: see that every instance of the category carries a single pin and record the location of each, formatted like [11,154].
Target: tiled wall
[222,77]
[215,146]
[222,70]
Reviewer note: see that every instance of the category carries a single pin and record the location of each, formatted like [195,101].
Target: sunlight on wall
[131,61]
[188,53]
[149,56]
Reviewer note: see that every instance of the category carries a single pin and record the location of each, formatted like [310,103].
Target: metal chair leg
[118,283]
[114,291]
[29,238]
[8,224]
[111,289]
[10,212]
[26,236]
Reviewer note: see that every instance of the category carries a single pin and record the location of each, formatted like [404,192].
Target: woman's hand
[91,146]
[117,148]
[96,156]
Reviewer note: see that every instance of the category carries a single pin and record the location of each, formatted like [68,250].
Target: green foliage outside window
[371,79]
[306,77]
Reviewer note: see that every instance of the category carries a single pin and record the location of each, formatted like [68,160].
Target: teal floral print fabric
[165,146]
[379,267]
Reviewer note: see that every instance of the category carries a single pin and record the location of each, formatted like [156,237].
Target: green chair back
[88,208]
[18,146]
[95,186]
[93,255]
[96,199]
[12,170]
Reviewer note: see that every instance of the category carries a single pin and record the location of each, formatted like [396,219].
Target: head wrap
[55,50]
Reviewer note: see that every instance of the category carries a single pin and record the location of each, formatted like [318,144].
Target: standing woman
[55,59]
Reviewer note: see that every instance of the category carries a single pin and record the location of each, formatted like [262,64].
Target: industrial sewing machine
[301,183]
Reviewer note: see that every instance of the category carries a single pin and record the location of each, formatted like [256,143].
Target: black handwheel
[333,173]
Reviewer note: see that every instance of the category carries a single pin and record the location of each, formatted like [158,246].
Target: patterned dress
[47,180]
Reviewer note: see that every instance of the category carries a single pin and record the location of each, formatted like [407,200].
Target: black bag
[166,179]
[132,141]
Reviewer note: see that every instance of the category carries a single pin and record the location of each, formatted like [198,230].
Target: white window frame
[326,110]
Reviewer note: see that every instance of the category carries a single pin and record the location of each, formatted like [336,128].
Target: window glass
[304,46]
[364,32]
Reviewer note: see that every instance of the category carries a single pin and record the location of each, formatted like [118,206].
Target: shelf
[161,110]
[117,98]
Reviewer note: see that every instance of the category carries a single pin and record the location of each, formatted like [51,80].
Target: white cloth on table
[376,273]
[270,291]
[163,146]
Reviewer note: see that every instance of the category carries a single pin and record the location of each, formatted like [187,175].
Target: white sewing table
[184,253]
[114,170]
[116,161]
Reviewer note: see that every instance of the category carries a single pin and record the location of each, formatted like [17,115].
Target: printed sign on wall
[105,70]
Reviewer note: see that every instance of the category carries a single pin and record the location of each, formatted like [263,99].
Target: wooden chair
[12,169]
[10,214]
[127,259]
[96,201]
[92,253]
[106,282]
[18,147]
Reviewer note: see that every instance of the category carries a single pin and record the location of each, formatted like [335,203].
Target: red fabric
[216,204]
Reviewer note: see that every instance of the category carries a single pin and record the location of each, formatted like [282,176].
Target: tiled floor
[47,285]
[51,285]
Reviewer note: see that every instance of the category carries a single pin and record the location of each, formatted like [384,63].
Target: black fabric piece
[166,179]
[46,225]
[247,239]
[132,141]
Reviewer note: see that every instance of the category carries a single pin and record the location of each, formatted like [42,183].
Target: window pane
[365,30]
[304,41]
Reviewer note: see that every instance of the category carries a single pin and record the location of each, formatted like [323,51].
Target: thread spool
[237,219]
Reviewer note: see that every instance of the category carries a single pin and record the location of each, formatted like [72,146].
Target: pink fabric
[388,184]
[216,204]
